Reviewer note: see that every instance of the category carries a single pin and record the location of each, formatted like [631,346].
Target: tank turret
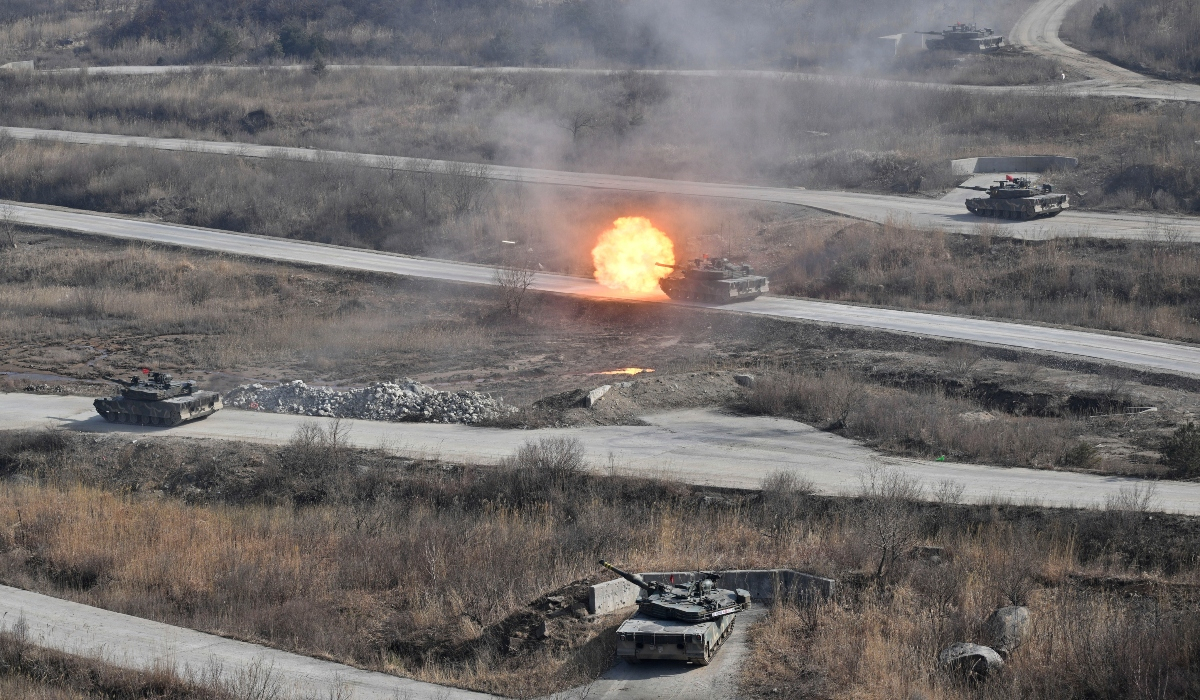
[968,38]
[684,622]
[713,281]
[155,398]
[1017,198]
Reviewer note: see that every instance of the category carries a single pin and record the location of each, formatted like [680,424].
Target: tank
[156,399]
[967,38]
[712,282]
[1017,198]
[687,622]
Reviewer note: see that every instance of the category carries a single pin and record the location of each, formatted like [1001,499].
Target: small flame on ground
[632,254]
[626,370]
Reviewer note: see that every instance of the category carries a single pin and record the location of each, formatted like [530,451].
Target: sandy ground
[700,446]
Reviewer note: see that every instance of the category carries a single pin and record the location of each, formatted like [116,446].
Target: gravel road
[700,446]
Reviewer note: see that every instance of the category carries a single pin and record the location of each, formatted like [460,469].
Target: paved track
[699,446]
[1132,351]
[928,213]
[132,642]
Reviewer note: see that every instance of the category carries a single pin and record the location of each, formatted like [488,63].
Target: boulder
[1008,628]
[974,660]
[746,380]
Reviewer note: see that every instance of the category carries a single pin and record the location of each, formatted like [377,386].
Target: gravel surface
[406,400]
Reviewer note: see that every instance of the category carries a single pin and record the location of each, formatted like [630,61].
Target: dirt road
[699,446]
[928,213]
[1138,352]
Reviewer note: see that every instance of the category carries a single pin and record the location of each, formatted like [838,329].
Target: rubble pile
[407,400]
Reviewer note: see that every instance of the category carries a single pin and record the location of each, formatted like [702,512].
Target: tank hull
[166,412]
[982,44]
[642,638]
[1022,208]
[718,291]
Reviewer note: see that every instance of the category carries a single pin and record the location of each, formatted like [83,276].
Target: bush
[1181,451]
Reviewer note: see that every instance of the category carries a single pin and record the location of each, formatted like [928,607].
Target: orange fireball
[627,255]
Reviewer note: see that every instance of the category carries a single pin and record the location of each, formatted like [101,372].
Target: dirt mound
[553,630]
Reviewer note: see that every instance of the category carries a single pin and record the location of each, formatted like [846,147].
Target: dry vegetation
[796,34]
[1143,287]
[28,672]
[440,533]
[817,135]
[1156,37]
[93,309]
[410,566]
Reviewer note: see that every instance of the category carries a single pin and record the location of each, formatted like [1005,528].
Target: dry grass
[883,643]
[403,563]
[1147,288]
[923,423]
[28,672]
[1156,38]
[885,138]
[218,313]
[704,34]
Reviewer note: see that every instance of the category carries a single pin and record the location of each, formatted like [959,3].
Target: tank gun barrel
[632,578]
[673,267]
[972,187]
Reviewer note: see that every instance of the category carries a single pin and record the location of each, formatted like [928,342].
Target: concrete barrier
[18,65]
[611,596]
[765,586]
[1012,164]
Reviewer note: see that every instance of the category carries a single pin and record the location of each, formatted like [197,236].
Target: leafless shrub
[786,483]
[961,359]
[556,460]
[317,447]
[949,491]
[890,523]
[8,226]
[513,281]
[1135,498]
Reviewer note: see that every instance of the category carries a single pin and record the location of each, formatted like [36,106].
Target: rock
[542,630]
[972,659]
[746,380]
[392,401]
[1008,628]
[595,395]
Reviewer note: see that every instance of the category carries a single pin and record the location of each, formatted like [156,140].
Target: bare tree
[8,226]
[579,120]
[514,280]
[891,524]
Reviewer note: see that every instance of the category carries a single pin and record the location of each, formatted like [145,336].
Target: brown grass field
[792,133]
[414,567]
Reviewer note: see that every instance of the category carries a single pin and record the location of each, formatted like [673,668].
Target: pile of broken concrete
[406,400]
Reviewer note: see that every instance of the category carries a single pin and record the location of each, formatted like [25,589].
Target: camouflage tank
[967,38]
[155,399]
[679,622]
[1017,198]
[712,282]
